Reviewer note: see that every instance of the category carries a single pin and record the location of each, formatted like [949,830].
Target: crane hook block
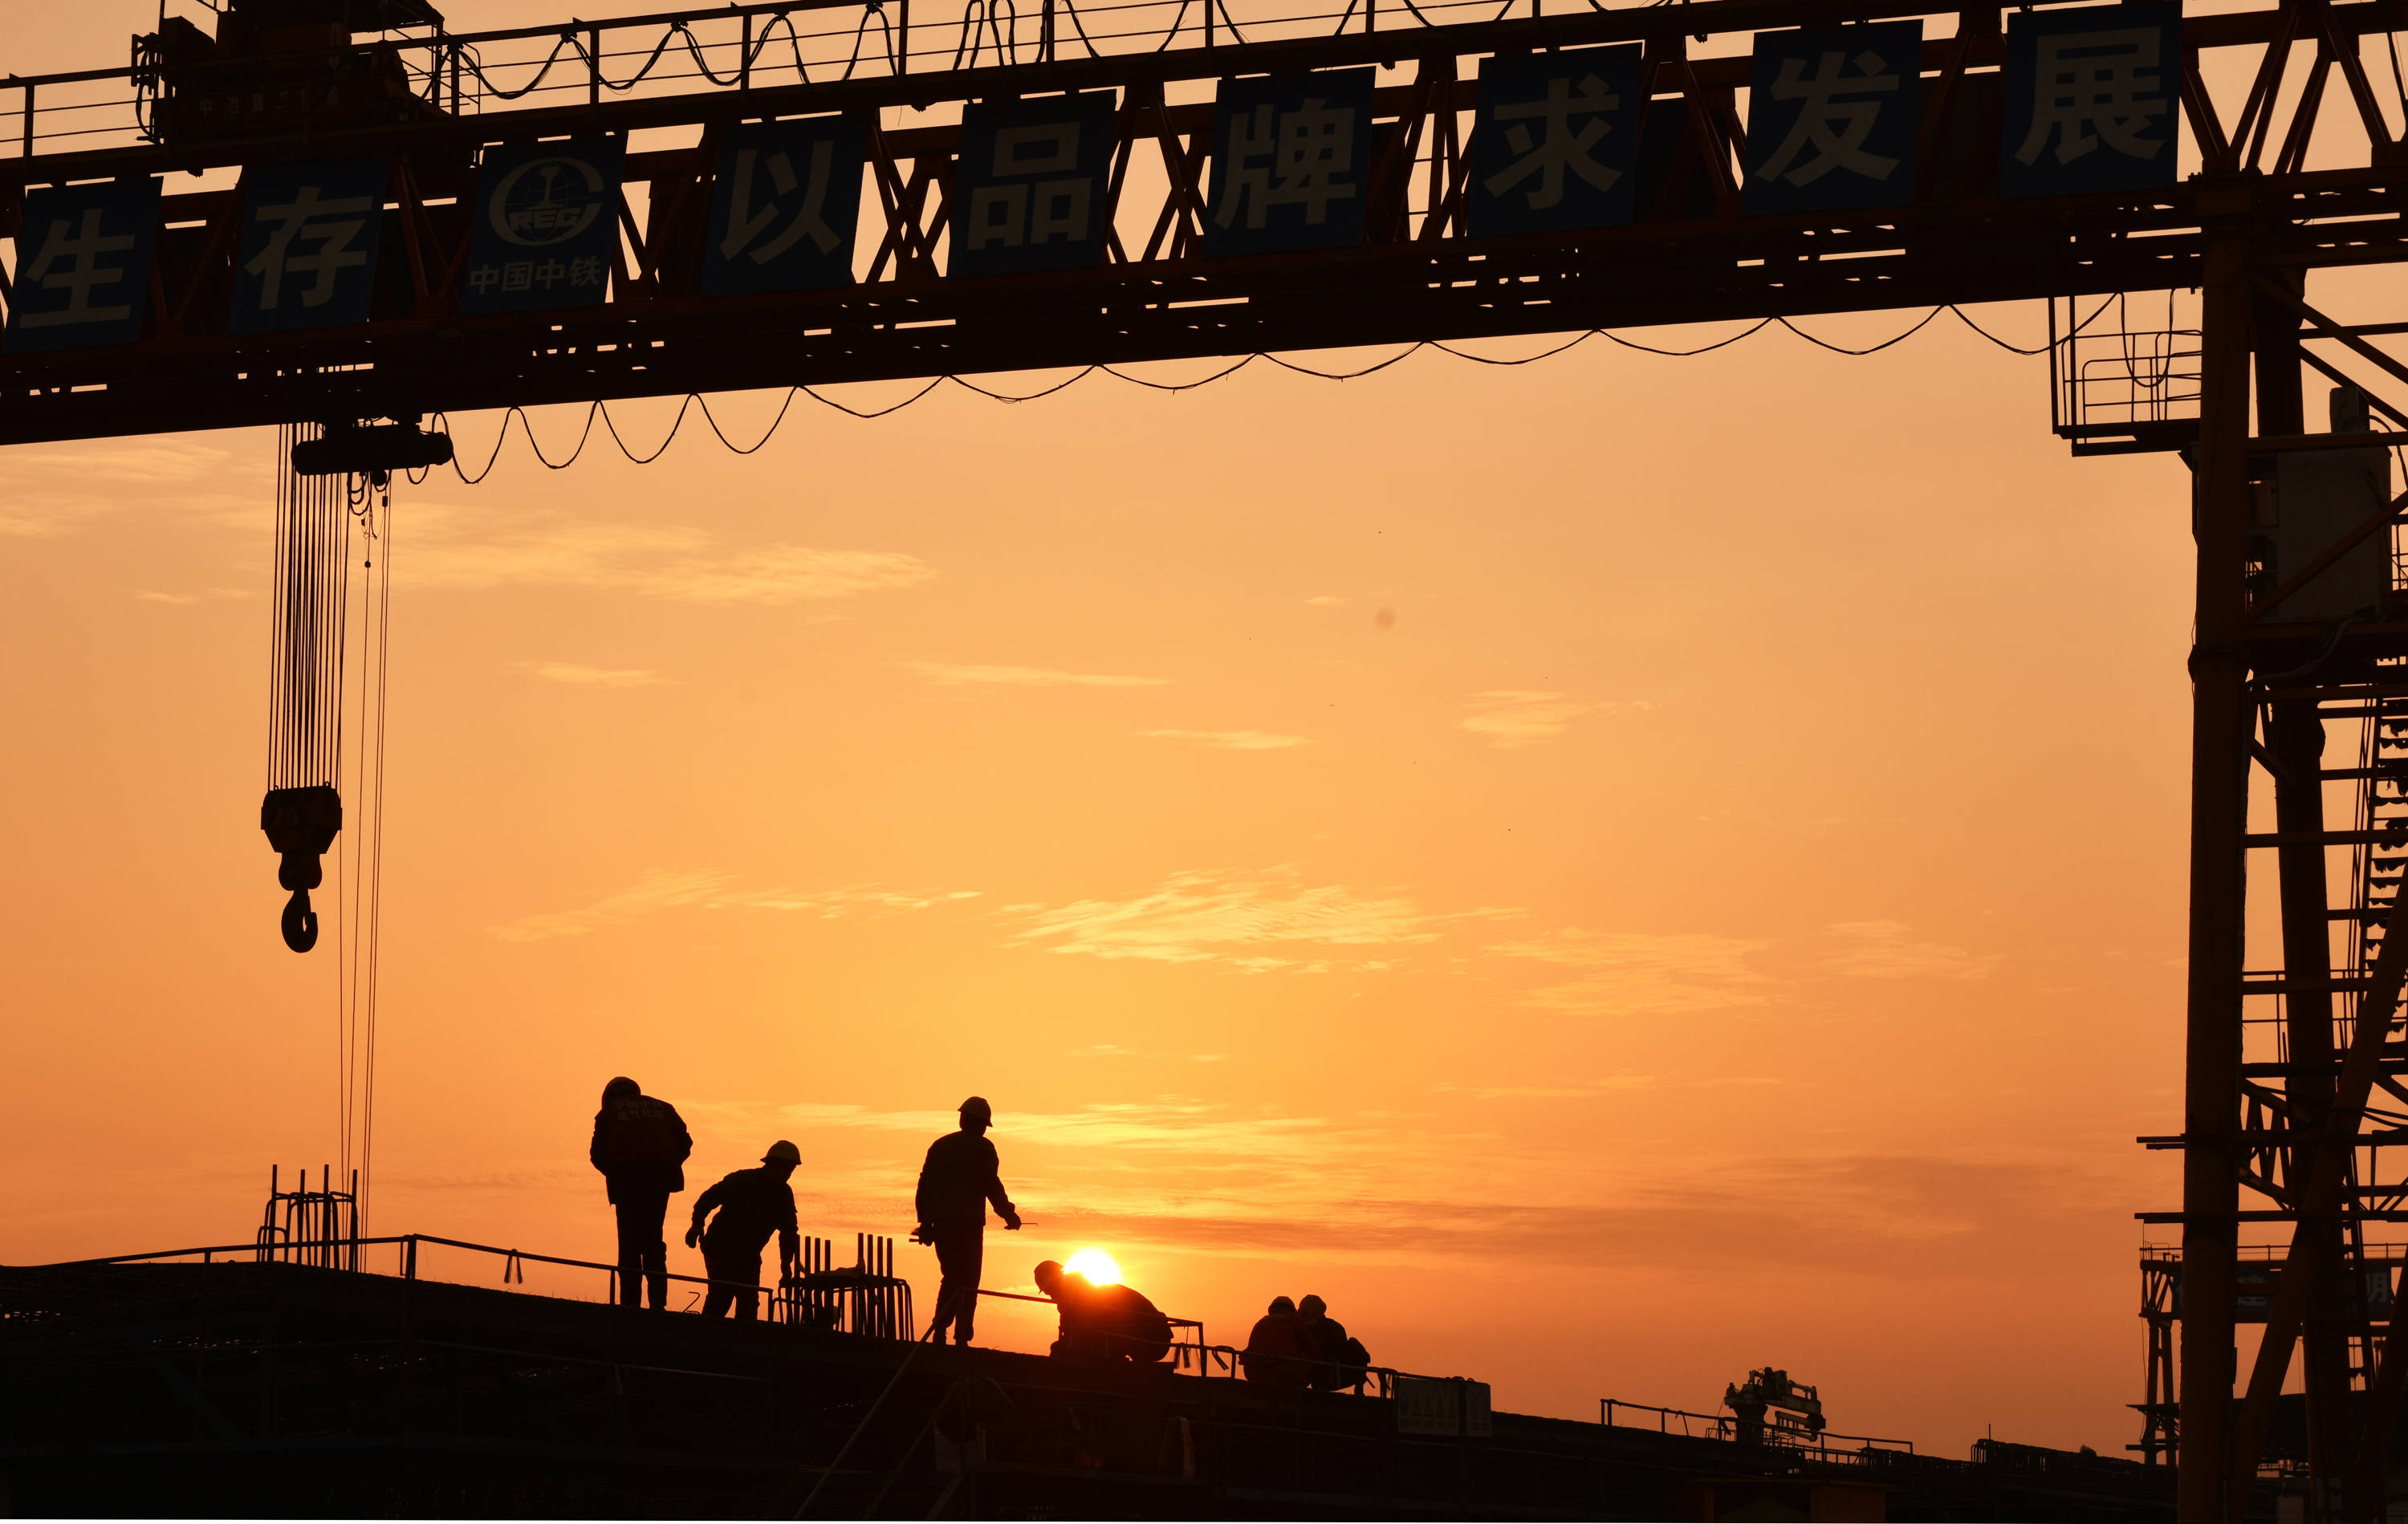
[301,824]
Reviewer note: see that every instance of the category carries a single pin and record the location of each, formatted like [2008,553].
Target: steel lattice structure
[2263,93]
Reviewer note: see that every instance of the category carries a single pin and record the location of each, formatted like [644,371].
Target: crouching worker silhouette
[640,1146]
[1340,1361]
[752,1204]
[1103,1322]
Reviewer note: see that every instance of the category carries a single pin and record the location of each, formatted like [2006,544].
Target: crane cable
[360,875]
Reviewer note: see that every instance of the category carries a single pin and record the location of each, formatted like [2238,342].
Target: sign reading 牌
[1555,141]
[308,250]
[1033,186]
[2090,100]
[784,206]
[1291,162]
[545,226]
[1831,118]
[83,266]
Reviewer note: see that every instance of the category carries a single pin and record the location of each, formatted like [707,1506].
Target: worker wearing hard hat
[1103,1322]
[958,1180]
[752,1204]
[640,1146]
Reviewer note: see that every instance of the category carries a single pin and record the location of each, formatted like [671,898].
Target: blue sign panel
[1554,143]
[2091,99]
[783,208]
[1831,118]
[307,255]
[1291,162]
[1033,187]
[545,228]
[83,266]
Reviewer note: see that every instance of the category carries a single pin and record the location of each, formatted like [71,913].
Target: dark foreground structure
[280,1389]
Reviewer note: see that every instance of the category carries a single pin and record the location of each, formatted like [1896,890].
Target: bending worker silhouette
[640,1146]
[753,1205]
[1103,1322]
[957,1181]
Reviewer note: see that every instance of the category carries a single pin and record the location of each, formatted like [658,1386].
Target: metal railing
[865,1303]
[1837,1449]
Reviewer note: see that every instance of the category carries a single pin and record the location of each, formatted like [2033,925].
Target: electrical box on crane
[280,68]
[1795,1408]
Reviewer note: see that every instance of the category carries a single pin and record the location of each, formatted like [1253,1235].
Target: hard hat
[976,1107]
[1048,1277]
[1312,1304]
[782,1152]
[619,1086]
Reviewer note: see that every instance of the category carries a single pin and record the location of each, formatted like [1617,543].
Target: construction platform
[270,1388]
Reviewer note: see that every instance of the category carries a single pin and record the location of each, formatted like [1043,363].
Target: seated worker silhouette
[1103,1322]
[1340,1361]
[1279,1352]
[640,1146]
[752,1204]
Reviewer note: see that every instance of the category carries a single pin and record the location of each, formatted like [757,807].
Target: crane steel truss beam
[1693,257]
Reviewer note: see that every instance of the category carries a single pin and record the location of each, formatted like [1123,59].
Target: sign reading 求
[83,266]
[1033,185]
[545,226]
[1291,158]
[1832,114]
[1554,143]
[783,209]
[2090,100]
[308,251]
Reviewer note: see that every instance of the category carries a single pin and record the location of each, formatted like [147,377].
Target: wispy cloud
[1516,717]
[1234,740]
[585,677]
[447,546]
[1887,949]
[1324,601]
[666,890]
[53,492]
[180,599]
[1197,918]
[1554,1092]
[1635,972]
[948,675]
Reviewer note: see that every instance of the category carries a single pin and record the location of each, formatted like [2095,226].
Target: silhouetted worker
[1340,1363]
[956,1183]
[1277,1353]
[753,1205]
[640,1146]
[1103,1322]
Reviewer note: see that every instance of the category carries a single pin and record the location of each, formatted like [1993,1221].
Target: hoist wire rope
[693,402]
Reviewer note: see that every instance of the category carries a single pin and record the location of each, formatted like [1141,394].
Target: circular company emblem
[546,201]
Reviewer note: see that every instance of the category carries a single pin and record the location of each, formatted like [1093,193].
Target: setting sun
[1096,1265]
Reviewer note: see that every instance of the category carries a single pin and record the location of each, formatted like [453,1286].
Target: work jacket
[958,1182]
[641,1144]
[1112,1320]
[1340,1361]
[753,1205]
[1278,1352]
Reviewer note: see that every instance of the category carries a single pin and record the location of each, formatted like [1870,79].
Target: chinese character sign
[83,266]
[2090,100]
[545,227]
[783,208]
[1831,118]
[1033,187]
[1291,162]
[1554,144]
[308,250]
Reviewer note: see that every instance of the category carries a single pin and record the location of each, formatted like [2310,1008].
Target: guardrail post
[744,56]
[903,37]
[593,63]
[29,122]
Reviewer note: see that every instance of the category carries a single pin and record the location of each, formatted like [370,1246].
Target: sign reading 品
[545,227]
[1034,185]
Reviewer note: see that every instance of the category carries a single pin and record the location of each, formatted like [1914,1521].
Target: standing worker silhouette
[956,1183]
[753,1205]
[640,1146]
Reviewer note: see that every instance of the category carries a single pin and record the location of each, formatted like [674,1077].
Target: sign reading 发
[545,226]
[1554,143]
[1033,187]
[783,209]
[83,266]
[1291,162]
[1831,118]
[309,253]
[2090,100]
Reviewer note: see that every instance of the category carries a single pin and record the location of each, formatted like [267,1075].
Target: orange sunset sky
[1612,872]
